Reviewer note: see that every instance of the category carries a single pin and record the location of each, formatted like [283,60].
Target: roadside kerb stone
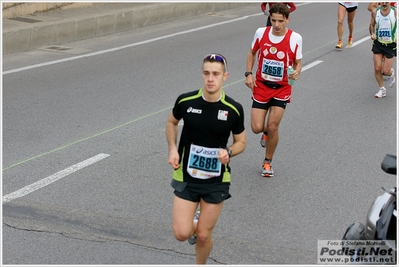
[55,31]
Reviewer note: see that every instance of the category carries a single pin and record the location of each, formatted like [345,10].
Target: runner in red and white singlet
[275,47]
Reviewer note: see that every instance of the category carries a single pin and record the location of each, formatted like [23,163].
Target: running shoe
[381,93]
[267,169]
[392,79]
[350,41]
[193,239]
[339,45]
[263,140]
[196,215]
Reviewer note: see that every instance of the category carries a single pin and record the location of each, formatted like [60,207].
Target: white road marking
[52,178]
[361,41]
[311,65]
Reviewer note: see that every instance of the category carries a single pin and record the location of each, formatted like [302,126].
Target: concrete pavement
[63,26]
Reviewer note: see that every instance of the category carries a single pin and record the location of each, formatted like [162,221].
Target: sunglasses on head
[216,57]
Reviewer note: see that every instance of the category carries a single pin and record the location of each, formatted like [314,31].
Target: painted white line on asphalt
[361,41]
[52,178]
[311,65]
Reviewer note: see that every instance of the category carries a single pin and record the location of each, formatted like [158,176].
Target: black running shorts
[349,9]
[388,50]
[272,102]
[210,193]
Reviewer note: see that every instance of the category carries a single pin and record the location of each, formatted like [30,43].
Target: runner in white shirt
[344,7]
[383,33]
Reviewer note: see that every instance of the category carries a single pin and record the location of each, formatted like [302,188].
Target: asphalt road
[83,134]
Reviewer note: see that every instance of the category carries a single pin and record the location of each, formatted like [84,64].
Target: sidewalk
[61,27]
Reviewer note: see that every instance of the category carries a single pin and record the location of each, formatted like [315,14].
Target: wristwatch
[248,73]
[229,151]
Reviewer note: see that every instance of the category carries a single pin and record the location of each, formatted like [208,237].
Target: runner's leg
[207,220]
[377,58]
[351,25]
[341,17]
[386,68]
[258,117]
[275,115]
[182,218]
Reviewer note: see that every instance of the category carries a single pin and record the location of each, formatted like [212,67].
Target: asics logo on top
[272,63]
[206,152]
[193,110]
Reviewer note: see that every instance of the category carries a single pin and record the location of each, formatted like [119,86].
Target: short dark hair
[280,8]
[216,58]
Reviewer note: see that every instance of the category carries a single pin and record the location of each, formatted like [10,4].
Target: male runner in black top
[201,161]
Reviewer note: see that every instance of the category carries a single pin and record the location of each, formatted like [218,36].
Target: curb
[76,28]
